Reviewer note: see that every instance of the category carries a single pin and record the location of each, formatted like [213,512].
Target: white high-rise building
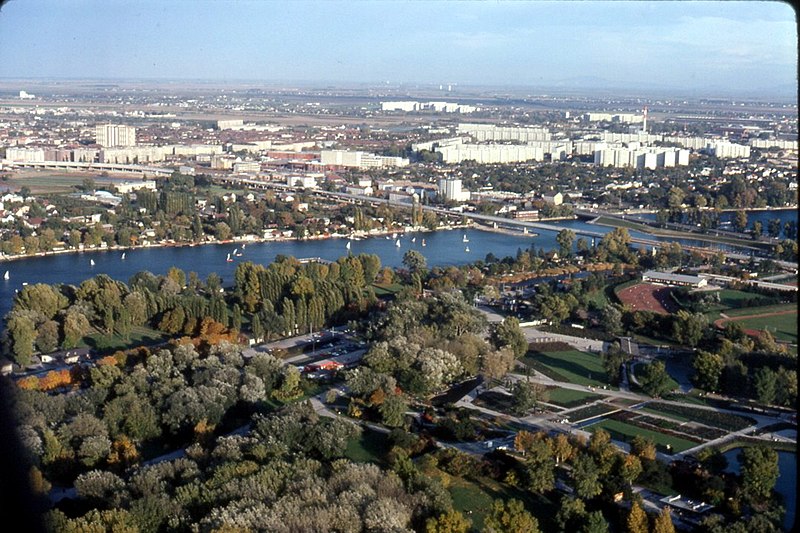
[344,158]
[724,149]
[108,135]
[450,190]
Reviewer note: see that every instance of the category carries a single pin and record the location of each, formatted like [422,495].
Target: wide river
[443,248]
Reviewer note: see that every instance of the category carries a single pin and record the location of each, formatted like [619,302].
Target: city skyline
[747,47]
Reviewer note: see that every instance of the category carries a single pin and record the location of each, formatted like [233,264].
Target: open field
[53,181]
[625,432]
[572,366]
[648,297]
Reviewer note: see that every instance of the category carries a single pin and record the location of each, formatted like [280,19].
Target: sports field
[648,297]
[780,320]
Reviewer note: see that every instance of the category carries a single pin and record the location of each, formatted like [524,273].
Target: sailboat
[123,256]
[347,245]
[228,259]
[413,239]
[237,253]
[397,243]
[6,276]
[244,246]
[91,262]
[466,249]
[465,238]
[423,242]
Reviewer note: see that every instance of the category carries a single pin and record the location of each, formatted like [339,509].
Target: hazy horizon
[746,48]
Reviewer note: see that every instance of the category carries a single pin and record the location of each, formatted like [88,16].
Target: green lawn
[730,298]
[570,398]
[473,498]
[370,447]
[572,366]
[625,432]
[598,298]
[139,336]
[386,290]
[652,341]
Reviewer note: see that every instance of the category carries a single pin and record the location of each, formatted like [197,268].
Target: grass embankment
[569,398]
[625,432]
[660,232]
[386,290]
[571,366]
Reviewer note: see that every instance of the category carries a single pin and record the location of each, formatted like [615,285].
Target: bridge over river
[502,221]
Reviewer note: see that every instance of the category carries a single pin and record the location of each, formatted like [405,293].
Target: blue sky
[720,45]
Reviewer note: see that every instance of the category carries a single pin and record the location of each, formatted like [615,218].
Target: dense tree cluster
[281,299]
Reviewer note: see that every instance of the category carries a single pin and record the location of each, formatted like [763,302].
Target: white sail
[423,242]
[228,259]
[465,238]
[235,251]
[6,275]
[397,243]
[413,239]
[466,249]
[91,262]
[123,255]
[348,245]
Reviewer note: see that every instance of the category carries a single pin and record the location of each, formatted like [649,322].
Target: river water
[443,248]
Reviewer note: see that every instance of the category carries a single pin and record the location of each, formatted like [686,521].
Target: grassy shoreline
[656,232]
